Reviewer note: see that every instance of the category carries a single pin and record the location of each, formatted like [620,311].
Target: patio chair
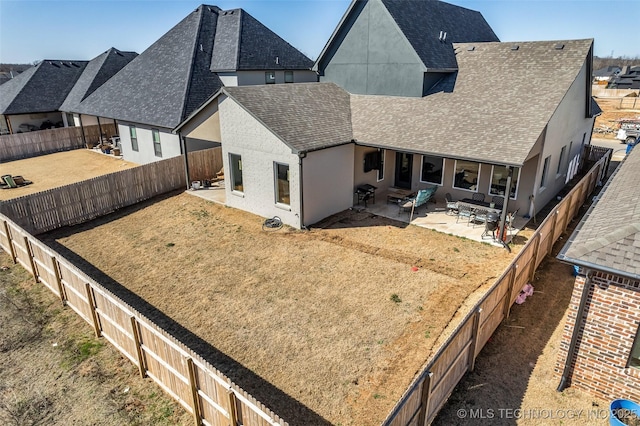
[480,216]
[498,201]
[477,196]
[465,211]
[452,206]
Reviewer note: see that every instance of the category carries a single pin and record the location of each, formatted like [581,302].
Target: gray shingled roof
[95,74]
[494,111]
[173,77]
[422,21]
[243,43]
[609,235]
[154,88]
[305,116]
[42,88]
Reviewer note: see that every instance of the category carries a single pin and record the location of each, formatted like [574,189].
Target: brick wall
[609,326]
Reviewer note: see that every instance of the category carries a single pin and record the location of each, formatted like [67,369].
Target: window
[235,162]
[467,175]
[157,148]
[545,169]
[561,160]
[134,138]
[432,169]
[381,166]
[288,76]
[499,176]
[282,184]
[270,77]
[635,352]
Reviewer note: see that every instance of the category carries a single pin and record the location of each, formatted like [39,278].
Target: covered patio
[435,215]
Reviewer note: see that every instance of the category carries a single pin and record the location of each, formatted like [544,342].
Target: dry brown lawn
[327,325]
[61,168]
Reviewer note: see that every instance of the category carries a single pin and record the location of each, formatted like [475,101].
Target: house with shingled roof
[96,73]
[33,98]
[210,48]
[300,151]
[600,348]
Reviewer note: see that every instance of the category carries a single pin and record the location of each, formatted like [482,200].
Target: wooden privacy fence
[211,397]
[32,144]
[83,201]
[431,388]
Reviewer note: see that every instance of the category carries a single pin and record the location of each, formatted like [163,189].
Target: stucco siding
[567,126]
[328,182]
[375,58]
[259,149]
[146,154]
[205,125]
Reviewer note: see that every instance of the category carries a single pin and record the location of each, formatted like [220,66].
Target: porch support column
[185,155]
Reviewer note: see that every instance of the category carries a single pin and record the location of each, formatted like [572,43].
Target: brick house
[600,349]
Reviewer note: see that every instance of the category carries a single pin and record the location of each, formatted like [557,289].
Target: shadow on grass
[284,405]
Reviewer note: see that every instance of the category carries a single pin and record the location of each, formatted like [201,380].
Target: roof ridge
[601,242]
[187,89]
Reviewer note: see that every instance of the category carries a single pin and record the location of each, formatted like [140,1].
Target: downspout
[505,206]
[184,152]
[566,373]
[301,156]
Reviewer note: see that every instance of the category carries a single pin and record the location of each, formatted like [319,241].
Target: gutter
[566,372]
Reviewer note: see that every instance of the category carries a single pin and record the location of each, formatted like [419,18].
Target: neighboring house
[32,99]
[299,151]
[208,49]
[96,73]
[628,78]
[600,349]
[398,47]
[606,73]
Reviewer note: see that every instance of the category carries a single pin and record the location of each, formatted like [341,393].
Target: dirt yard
[611,113]
[53,371]
[326,326]
[61,168]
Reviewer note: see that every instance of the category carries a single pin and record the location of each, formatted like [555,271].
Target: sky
[83,29]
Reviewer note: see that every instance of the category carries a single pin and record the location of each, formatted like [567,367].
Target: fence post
[233,412]
[136,341]
[12,250]
[94,317]
[425,398]
[535,256]
[194,393]
[474,338]
[507,301]
[34,271]
[56,271]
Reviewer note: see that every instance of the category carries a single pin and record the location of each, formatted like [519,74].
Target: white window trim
[453,184]
[443,171]
[560,171]
[235,191]
[517,183]
[545,171]
[155,152]
[275,185]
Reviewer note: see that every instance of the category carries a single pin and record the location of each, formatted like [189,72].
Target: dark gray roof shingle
[173,77]
[479,115]
[305,116]
[95,74]
[609,235]
[153,87]
[42,88]
[422,20]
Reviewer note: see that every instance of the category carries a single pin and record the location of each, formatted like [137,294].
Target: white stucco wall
[259,149]
[170,143]
[567,127]
[328,185]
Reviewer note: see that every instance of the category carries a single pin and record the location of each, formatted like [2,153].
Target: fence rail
[431,388]
[32,144]
[83,201]
[211,397]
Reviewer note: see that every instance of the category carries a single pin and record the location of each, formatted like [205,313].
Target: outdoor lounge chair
[421,198]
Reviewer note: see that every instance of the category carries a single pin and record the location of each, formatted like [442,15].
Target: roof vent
[277,60]
[515,47]
[559,46]
[442,36]
[471,48]
[66,65]
[54,64]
